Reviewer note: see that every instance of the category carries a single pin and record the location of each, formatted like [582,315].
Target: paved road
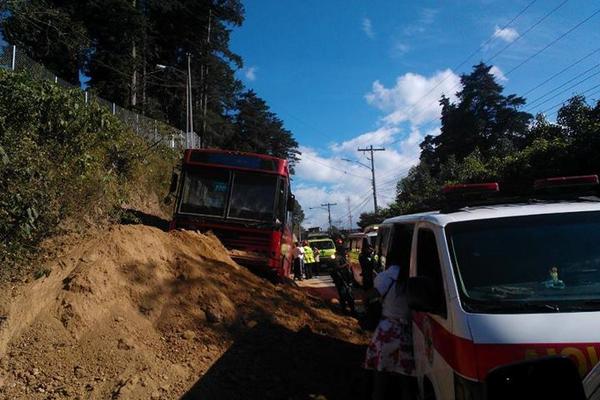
[321,286]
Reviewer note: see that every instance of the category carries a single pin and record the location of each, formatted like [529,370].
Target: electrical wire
[561,71]
[566,90]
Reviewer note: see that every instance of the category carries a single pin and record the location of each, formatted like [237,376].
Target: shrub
[62,159]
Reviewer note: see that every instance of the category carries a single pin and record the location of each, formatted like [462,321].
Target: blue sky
[349,73]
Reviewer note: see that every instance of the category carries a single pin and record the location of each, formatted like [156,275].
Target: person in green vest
[309,260]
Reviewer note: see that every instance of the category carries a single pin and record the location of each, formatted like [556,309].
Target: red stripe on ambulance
[475,360]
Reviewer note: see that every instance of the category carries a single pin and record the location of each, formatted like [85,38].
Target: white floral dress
[391,348]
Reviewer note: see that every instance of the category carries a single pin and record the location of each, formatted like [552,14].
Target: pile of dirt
[138,313]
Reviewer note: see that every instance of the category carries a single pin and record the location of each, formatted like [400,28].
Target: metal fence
[152,130]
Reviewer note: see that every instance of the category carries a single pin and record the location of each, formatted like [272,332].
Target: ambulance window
[428,265]
[382,245]
[402,242]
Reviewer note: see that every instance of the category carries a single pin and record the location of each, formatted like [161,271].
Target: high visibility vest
[309,257]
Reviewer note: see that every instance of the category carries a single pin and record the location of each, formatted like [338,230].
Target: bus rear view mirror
[421,295]
[549,378]
[292,203]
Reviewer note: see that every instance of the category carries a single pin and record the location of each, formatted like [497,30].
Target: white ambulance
[500,282]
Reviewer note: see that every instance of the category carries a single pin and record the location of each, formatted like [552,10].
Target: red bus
[244,199]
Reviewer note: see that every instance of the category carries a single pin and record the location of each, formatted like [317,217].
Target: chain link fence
[152,130]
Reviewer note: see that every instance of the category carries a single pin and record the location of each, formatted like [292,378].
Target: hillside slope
[133,312]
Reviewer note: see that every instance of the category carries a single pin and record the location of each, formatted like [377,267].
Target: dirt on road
[133,312]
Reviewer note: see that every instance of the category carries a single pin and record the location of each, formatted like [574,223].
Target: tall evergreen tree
[483,118]
[50,31]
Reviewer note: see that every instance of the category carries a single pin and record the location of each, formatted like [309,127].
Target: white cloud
[426,18]
[506,34]
[414,97]
[498,74]
[399,49]
[319,183]
[250,73]
[367,28]
[377,137]
[410,112]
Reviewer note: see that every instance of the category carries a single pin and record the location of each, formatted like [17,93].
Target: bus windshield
[205,192]
[253,196]
[229,194]
[539,263]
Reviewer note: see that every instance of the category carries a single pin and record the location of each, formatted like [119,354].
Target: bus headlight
[333,256]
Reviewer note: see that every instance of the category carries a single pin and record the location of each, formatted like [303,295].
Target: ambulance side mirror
[421,295]
[549,378]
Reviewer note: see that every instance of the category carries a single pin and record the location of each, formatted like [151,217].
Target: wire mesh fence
[152,130]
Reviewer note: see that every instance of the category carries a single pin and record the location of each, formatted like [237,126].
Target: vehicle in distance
[354,244]
[326,249]
[244,199]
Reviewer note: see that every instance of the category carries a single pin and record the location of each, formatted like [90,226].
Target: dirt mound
[137,313]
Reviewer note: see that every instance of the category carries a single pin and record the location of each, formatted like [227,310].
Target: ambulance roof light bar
[566,182]
[462,195]
[471,188]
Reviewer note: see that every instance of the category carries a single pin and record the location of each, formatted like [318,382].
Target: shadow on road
[273,362]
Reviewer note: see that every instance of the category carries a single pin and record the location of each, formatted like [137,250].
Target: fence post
[55,79]
[86,96]
[114,108]
[13,64]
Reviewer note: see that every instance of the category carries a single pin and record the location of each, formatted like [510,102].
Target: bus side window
[428,265]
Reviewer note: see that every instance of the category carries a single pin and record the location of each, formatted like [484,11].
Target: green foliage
[63,160]
[257,129]
[297,214]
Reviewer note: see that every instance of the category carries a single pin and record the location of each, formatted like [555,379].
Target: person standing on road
[309,260]
[366,264]
[317,265]
[341,278]
[390,352]
[298,261]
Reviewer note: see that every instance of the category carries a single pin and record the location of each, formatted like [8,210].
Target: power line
[457,67]
[552,42]
[561,92]
[561,71]
[528,30]
[332,167]
[563,102]
[523,34]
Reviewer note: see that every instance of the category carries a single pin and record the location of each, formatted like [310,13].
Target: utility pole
[203,140]
[328,205]
[372,150]
[349,214]
[190,108]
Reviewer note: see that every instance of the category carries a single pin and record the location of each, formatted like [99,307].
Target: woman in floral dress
[390,352]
